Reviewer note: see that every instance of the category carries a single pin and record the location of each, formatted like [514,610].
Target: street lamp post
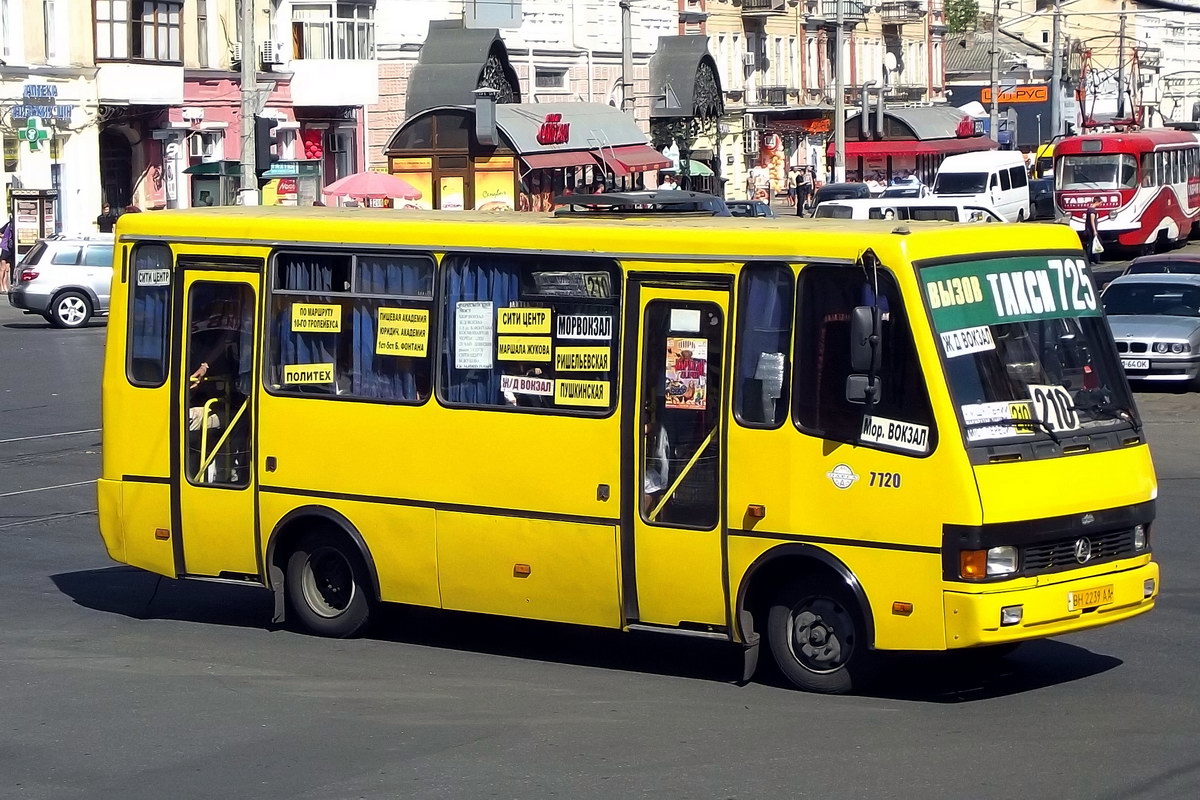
[994,116]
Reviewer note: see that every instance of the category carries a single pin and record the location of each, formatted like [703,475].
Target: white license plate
[1089,598]
[1135,363]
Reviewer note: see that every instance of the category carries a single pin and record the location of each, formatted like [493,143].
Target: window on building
[764,345]
[149,315]
[827,297]
[343,30]
[202,30]
[147,30]
[549,78]
[12,152]
[530,332]
[5,29]
[351,325]
[50,28]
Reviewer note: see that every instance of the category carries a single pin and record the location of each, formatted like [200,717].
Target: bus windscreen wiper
[1014,422]
[1113,413]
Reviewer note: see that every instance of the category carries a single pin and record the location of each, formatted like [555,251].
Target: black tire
[1021,215]
[70,310]
[327,586]
[818,637]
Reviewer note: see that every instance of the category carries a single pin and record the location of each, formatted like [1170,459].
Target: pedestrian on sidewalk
[7,257]
[1091,233]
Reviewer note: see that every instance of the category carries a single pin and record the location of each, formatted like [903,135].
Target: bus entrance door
[677,443]
[213,474]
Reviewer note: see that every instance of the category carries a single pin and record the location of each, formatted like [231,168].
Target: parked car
[65,279]
[925,209]
[995,178]
[1155,320]
[913,192]
[749,208]
[839,191]
[1041,199]
[641,203]
[1176,263]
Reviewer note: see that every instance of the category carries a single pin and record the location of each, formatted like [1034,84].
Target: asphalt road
[113,684]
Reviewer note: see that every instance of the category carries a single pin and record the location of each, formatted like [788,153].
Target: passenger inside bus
[219,362]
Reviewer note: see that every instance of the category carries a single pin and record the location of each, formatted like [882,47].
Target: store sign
[1017,94]
[41,100]
[553,130]
[969,126]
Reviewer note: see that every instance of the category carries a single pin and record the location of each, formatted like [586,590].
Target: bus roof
[724,238]
[1132,142]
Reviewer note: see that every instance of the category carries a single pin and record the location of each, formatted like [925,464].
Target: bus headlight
[990,563]
[1139,537]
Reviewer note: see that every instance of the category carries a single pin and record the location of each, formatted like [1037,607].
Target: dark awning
[451,67]
[684,81]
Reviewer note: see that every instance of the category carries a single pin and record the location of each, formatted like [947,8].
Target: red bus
[1146,185]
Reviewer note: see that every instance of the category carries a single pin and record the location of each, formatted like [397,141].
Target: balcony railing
[853,11]
[763,8]
[773,95]
[901,12]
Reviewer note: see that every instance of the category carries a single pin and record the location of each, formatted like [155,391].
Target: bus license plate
[1135,363]
[1089,598]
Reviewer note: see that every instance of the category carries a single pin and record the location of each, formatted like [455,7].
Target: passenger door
[674,454]
[213,480]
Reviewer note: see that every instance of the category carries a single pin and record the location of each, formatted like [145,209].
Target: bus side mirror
[864,340]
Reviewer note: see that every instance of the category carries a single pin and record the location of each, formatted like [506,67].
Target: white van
[995,178]
[923,209]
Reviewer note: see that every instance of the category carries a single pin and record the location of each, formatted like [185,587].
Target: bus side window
[149,315]
[1147,170]
[764,338]
[827,296]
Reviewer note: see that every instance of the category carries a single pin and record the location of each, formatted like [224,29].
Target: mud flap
[750,646]
[277,587]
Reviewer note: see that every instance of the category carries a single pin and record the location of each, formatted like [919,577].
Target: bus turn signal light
[162,534]
[972,563]
[756,511]
[901,608]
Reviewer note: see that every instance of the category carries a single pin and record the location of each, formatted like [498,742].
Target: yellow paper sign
[402,332]
[582,359]
[316,318]
[523,348]
[308,373]
[523,320]
[581,393]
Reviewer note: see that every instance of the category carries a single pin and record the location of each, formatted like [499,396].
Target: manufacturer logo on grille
[1083,550]
[1088,519]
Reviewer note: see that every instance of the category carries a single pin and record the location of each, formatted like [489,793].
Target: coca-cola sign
[553,130]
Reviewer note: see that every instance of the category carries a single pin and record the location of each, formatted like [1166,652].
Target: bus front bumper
[974,619]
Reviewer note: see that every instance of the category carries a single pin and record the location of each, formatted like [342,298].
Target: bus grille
[1060,554]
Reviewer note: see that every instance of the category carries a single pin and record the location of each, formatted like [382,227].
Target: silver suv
[65,279]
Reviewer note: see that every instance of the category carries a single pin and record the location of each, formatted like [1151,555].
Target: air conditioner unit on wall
[235,52]
[750,142]
[272,52]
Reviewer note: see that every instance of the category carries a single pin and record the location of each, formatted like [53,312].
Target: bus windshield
[1099,171]
[1023,338]
[960,183]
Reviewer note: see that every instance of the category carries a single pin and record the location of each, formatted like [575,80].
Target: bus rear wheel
[326,586]
[818,638]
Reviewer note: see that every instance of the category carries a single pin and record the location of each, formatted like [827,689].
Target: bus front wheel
[818,638]
[327,586]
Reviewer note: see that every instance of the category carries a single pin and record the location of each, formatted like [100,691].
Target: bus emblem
[842,476]
[1083,550]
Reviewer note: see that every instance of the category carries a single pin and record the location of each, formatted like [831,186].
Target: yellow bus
[836,438]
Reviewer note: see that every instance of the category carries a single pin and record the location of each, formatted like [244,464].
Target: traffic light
[265,144]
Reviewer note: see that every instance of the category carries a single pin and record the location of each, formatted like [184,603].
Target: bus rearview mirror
[864,340]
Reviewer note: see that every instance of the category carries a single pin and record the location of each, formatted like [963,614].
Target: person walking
[6,256]
[804,191]
[107,219]
[793,184]
[1091,233]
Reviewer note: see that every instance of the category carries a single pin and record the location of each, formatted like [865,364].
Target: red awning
[632,158]
[967,144]
[564,158]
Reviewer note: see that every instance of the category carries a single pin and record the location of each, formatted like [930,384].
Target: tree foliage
[962,15]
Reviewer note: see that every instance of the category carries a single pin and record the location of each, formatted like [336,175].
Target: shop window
[529,332]
[763,345]
[354,326]
[12,152]
[827,296]
[149,315]
[343,30]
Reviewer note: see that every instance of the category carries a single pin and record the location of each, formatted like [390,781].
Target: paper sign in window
[473,326]
[308,373]
[593,394]
[687,373]
[582,359]
[402,332]
[316,318]
[523,348]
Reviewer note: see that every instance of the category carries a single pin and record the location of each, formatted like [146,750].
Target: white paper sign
[894,433]
[583,326]
[474,325]
[1053,406]
[968,340]
[976,413]
[154,277]
[521,384]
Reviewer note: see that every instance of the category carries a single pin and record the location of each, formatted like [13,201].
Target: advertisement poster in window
[450,193]
[26,222]
[494,191]
[423,182]
[687,373]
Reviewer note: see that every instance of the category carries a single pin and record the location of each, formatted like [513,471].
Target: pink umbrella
[373,185]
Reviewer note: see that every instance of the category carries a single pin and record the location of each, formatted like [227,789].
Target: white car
[996,178]
[65,279]
[926,209]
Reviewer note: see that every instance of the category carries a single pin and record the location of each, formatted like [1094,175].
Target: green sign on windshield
[1000,290]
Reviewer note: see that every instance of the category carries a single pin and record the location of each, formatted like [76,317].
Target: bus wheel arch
[301,542]
[785,571]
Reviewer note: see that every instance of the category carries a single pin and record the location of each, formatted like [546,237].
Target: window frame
[739,332]
[134,30]
[268,360]
[337,28]
[618,275]
[934,437]
[129,257]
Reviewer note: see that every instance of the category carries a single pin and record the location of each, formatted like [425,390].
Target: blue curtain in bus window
[476,278]
[148,329]
[765,339]
[383,376]
[305,273]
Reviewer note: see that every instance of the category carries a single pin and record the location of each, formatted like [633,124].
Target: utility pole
[249,182]
[994,117]
[626,55]
[1121,66]
[1056,70]
[839,100]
